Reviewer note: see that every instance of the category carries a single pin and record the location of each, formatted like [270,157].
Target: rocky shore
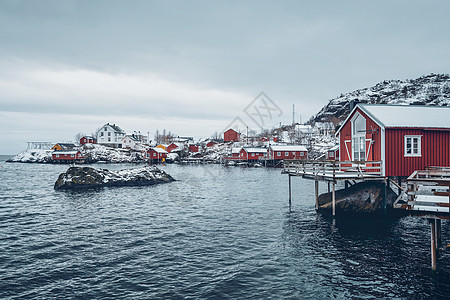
[87,177]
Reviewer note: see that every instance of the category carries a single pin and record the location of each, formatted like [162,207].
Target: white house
[110,135]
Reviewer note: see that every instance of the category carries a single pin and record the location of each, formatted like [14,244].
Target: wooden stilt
[334,199]
[385,190]
[433,244]
[346,184]
[290,201]
[316,186]
[328,186]
[438,233]
[399,180]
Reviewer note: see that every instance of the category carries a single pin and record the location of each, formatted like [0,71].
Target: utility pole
[293,114]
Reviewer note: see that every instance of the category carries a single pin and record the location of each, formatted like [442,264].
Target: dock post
[316,185]
[334,198]
[385,190]
[289,190]
[433,244]
[438,233]
[328,186]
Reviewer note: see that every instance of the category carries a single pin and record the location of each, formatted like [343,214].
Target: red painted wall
[152,155]
[193,148]
[291,155]
[230,135]
[435,150]
[244,155]
[171,147]
[373,133]
[66,156]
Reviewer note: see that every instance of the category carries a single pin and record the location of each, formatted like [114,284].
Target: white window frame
[253,154]
[419,145]
[286,153]
[358,138]
[278,153]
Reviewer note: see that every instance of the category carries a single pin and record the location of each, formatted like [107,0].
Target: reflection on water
[216,232]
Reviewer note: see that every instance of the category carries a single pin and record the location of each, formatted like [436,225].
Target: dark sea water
[216,233]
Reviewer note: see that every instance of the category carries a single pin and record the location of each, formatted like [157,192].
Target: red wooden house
[67,156]
[403,138]
[88,140]
[155,155]
[252,153]
[280,152]
[171,147]
[193,148]
[333,153]
[231,136]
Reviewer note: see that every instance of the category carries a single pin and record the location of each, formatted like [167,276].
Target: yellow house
[162,146]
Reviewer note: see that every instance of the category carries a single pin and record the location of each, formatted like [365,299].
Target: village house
[252,153]
[231,136]
[156,155]
[110,135]
[402,138]
[172,147]
[210,144]
[193,148]
[67,156]
[130,141]
[333,153]
[87,139]
[280,152]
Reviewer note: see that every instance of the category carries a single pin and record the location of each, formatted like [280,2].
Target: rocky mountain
[433,89]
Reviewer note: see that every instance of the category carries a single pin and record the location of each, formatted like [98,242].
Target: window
[101,133]
[278,153]
[413,145]
[331,154]
[253,154]
[71,155]
[154,154]
[105,129]
[109,133]
[242,154]
[286,153]
[57,155]
[359,137]
[109,139]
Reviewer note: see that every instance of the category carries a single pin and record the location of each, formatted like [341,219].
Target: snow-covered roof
[255,150]
[334,148]
[66,152]
[159,150]
[288,148]
[236,150]
[408,115]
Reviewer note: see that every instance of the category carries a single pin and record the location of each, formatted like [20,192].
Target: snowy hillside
[433,89]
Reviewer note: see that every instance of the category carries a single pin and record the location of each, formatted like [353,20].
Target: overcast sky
[192,67]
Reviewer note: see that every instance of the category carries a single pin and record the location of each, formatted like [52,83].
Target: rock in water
[361,198]
[87,177]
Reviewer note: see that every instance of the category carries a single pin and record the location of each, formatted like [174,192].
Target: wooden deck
[428,191]
[334,170]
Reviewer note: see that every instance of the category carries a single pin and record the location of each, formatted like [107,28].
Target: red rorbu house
[231,136]
[252,153]
[193,148]
[88,140]
[156,155]
[403,138]
[333,153]
[67,156]
[171,147]
[235,152]
[280,152]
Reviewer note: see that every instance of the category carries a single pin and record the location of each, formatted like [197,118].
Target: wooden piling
[433,244]
[334,199]
[316,186]
[290,193]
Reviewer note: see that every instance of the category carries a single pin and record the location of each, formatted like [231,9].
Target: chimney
[353,103]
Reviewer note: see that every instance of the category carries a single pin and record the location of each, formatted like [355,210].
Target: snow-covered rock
[87,177]
[33,156]
[433,89]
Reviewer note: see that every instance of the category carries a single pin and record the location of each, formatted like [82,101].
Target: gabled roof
[288,148]
[115,128]
[236,150]
[66,146]
[408,116]
[159,150]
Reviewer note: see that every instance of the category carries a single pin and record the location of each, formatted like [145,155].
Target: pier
[427,195]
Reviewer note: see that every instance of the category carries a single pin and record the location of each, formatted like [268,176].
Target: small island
[87,177]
